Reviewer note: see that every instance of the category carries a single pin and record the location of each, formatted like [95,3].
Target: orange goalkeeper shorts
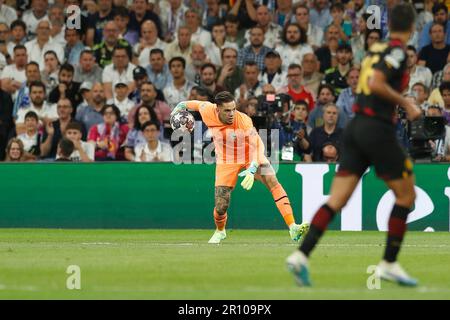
[227,173]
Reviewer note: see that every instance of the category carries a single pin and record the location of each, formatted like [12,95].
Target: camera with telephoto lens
[272,103]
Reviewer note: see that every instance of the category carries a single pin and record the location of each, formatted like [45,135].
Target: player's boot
[395,273]
[218,236]
[297,264]
[297,230]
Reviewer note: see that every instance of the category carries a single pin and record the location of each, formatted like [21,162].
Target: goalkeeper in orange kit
[238,147]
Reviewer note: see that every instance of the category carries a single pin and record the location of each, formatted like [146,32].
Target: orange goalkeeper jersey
[238,142]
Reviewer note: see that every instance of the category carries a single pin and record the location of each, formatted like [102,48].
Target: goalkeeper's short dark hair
[223,97]
[402,18]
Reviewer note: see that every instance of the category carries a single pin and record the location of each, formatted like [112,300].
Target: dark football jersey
[390,59]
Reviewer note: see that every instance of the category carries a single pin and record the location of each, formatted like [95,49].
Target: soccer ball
[183,120]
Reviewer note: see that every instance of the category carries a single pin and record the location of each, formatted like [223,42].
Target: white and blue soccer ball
[183,121]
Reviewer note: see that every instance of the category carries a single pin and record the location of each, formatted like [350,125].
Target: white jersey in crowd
[278,81]
[28,141]
[421,74]
[124,106]
[290,54]
[7,14]
[31,21]
[162,153]
[144,56]
[36,54]
[112,75]
[271,37]
[174,95]
[48,110]
[87,147]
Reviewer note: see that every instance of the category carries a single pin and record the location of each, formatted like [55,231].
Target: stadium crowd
[103,91]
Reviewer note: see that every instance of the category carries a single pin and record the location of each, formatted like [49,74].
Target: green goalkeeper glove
[179,107]
[249,175]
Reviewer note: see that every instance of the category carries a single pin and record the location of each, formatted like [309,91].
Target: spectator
[147,43]
[13,76]
[325,97]
[57,24]
[158,70]
[347,97]
[426,16]
[104,50]
[271,31]
[283,13]
[198,58]
[234,34]
[371,36]
[83,151]
[230,75]
[6,120]
[5,57]
[214,49]
[312,78]
[66,88]
[182,46]
[256,51]
[38,47]
[251,86]
[330,152]
[31,138]
[329,132]
[7,14]
[22,99]
[178,89]
[108,136]
[74,46]
[38,104]
[320,14]
[314,34]
[440,16]
[35,15]
[208,76]
[337,76]
[245,13]
[141,15]
[213,13]
[358,40]
[435,55]
[172,18]
[141,115]
[121,70]
[64,150]
[102,19]
[421,92]
[18,35]
[15,151]
[90,114]
[272,73]
[337,11]
[327,53]
[88,70]
[295,89]
[49,75]
[444,89]
[294,45]
[355,14]
[417,73]
[192,20]
[54,130]
[153,150]
[121,100]
[122,18]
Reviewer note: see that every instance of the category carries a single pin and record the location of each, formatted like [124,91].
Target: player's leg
[267,176]
[222,201]
[403,188]
[226,178]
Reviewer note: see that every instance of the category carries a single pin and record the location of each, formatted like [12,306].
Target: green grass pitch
[179,264]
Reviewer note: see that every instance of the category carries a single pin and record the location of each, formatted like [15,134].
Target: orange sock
[220,220]
[283,204]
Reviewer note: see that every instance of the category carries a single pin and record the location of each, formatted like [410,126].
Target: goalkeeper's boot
[296,231]
[218,236]
[394,272]
[297,264]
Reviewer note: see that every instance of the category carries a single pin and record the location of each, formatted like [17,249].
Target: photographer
[440,146]
[293,132]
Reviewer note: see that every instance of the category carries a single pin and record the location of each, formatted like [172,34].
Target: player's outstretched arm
[193,105]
